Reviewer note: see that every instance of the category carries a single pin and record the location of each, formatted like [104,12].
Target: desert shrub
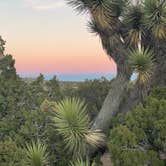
[138,138]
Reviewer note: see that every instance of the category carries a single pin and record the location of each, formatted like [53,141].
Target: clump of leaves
[80,162]
[143,63]
[133,19]
[36,154]
[73,124]
[155,17]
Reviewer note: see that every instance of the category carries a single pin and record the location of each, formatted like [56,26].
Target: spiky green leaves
[80,162]
[80,5]
[36,154]
[133,20]
[142,62]
[101,13]
[73,124]
[117,7]
[155,17]
[86,5]
[104,12]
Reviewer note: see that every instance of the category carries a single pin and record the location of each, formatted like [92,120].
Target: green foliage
[20,115]
[73,124]
[127,140]
[133,19]
[92,91]
[159,93]
[139,137]
[36,154]
[54,89]
[155,17]
[2,46]
[26,108]
[103,11]
[117,7]
[80,5]
[7,67]
[80,162]
[143,64]
[149,15]
[11,154]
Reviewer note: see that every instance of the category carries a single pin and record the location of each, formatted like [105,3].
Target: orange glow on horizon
[40,58]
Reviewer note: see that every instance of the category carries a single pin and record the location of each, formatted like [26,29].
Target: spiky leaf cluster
[142,62]
[36,154]
[117,7]
[80,162]
[111,14]
[104,12]
[73,124]
[155,17]
[80,5]
[133,19]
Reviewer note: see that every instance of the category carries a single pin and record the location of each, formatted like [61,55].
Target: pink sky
[48,37]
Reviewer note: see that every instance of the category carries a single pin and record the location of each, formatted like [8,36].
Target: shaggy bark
[119,84]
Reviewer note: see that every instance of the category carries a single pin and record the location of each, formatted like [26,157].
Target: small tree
[138,137]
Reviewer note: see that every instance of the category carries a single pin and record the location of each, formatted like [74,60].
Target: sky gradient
[47,36]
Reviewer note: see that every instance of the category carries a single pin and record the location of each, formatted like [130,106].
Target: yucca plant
[155,17]
[73,124]
[80,162]
[143,63]
[36,154]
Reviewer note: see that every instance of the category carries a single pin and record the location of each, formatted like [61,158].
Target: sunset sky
[47,36]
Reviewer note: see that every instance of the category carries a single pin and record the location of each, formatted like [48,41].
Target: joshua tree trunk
[112,102]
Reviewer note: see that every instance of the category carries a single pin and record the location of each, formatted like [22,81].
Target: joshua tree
[133,34]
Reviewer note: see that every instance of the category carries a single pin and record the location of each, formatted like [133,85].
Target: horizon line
[70,76]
